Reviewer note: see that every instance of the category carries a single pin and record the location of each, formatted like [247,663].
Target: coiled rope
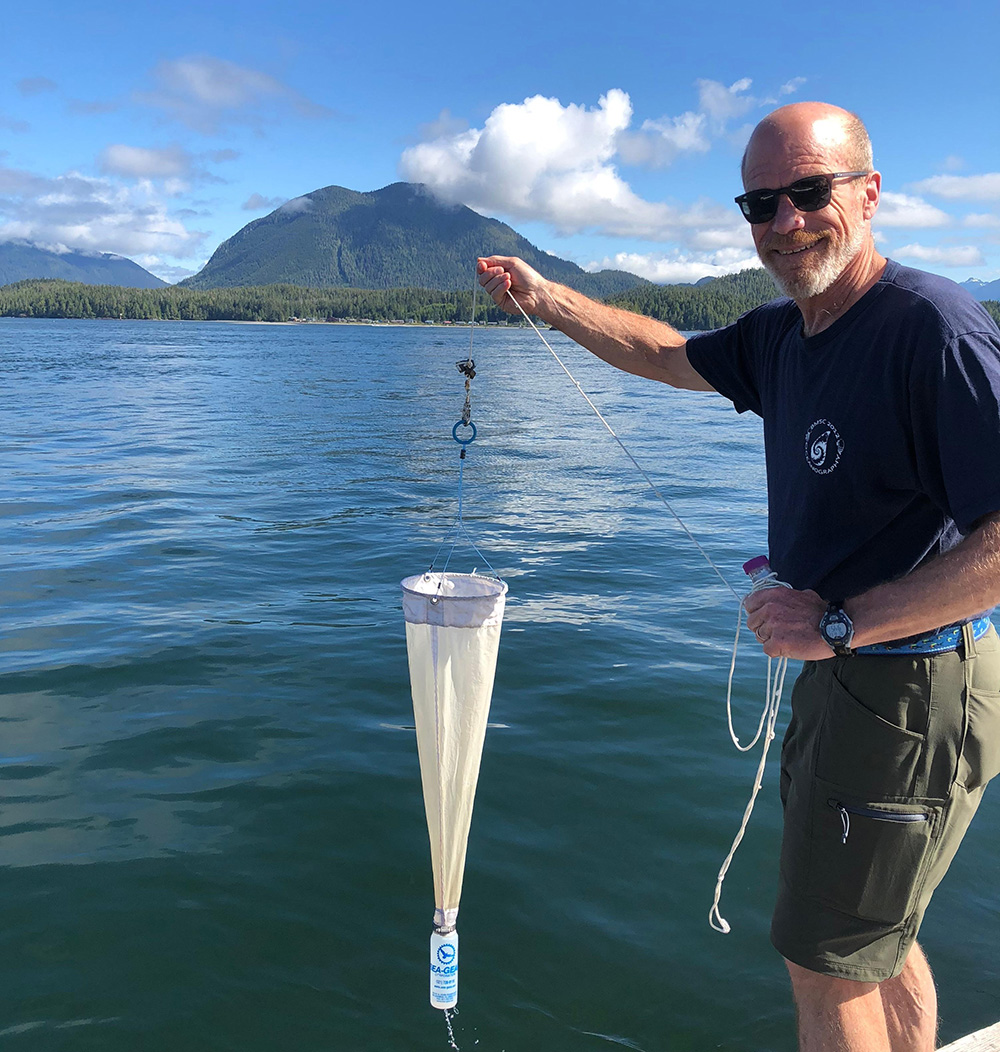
[768,718]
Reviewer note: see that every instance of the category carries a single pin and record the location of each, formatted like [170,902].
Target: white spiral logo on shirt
[823,447]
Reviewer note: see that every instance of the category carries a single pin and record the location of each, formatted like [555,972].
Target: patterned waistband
[937,642]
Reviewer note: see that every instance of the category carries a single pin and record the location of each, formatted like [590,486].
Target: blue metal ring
[464,441]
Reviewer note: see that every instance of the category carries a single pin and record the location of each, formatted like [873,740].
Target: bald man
[879,388]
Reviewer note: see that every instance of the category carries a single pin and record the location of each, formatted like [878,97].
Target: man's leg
[841,1015]
[910,1003]
[838,1015]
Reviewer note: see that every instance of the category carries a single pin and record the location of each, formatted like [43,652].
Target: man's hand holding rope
[787,623]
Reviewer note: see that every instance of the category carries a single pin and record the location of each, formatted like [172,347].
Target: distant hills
[983,290]
[396,237]
[399,237]
[21,260]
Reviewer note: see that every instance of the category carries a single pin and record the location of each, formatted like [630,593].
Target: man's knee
[816,987]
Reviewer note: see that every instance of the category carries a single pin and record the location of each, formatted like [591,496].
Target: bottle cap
[753,565]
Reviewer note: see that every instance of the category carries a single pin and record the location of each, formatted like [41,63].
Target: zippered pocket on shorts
[868,858]
[880,814]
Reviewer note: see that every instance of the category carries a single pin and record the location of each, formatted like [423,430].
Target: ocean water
[211,828]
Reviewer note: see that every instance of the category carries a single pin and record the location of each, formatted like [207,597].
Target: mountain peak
[982,290]
[22,260]
[394,237]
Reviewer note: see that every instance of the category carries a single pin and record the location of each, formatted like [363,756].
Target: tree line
[276,303]
[686,307]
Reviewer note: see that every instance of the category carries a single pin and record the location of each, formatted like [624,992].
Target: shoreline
[462,325]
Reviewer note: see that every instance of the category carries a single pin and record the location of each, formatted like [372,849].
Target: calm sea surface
[211,827]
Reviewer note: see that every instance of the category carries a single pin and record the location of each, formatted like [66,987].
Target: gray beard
[819,280]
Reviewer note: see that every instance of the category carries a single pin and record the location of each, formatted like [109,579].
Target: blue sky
[608,134]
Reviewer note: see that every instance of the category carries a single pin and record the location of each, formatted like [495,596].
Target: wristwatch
[837,629]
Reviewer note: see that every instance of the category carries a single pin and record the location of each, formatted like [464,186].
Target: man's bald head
[815,126]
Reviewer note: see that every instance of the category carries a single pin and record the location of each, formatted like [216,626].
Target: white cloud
[258,203]
[542,161]
[205,92]
[791,86]
[659,142]
[444,127]
[166,271]
[176,168]
[906,211]
[984,187]
[297,204]
[943,255]
[87,214]
[981,220]
[677,267]
[140,163]
[535,159]
[723,104]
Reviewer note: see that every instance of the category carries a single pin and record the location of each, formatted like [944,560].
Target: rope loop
[464,441]
[768,719]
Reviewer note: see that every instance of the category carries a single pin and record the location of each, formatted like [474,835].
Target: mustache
[795,239]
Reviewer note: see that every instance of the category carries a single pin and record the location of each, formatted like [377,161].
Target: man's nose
[787,218]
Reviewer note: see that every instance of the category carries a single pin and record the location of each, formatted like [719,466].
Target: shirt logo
[823,447]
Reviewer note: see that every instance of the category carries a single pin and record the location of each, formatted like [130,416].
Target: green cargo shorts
[884,762]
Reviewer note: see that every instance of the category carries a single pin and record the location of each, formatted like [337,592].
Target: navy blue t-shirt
[881,433]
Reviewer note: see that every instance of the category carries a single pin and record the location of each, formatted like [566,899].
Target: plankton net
[452,638]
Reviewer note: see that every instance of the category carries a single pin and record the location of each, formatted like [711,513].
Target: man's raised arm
[627,341]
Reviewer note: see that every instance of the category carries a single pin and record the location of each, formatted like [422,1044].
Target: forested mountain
[707,305]
[20,261]
[396,237]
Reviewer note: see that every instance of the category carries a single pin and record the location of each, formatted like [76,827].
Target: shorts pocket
[864,750]
[980,759]
[869,858]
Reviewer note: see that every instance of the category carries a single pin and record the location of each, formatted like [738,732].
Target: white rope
[768,718]
[625,450]
[775,673]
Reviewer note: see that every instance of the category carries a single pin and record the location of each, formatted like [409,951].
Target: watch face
[836,630]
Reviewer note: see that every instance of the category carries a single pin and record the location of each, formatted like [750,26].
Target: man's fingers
[496,281]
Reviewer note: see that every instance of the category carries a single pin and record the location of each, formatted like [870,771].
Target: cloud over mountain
[541,160]
[91,214]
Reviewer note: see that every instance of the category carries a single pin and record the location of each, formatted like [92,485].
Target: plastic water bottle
[758,570]
[444,969]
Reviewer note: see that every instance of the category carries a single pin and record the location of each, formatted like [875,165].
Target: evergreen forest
[707,305]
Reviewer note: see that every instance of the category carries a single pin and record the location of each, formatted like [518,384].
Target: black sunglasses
[807,195]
